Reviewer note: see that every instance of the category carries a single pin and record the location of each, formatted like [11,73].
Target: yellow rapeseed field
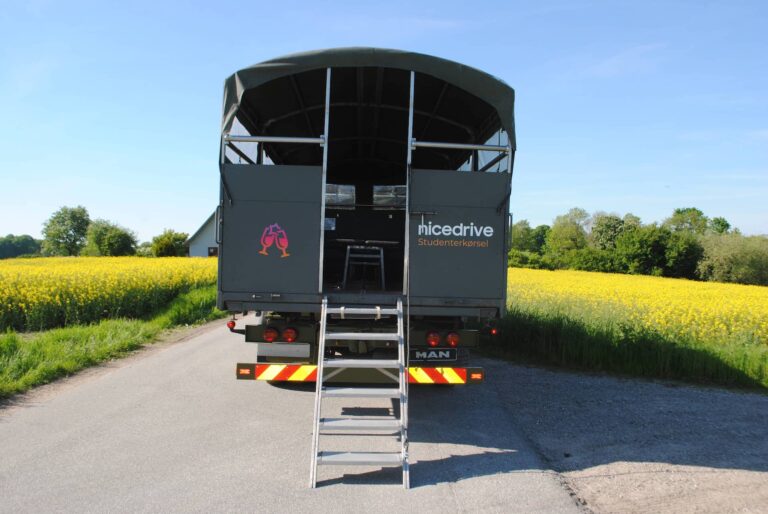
[677,309]
[42,293]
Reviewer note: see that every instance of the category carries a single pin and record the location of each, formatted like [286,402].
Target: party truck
[364,214]
[364,176]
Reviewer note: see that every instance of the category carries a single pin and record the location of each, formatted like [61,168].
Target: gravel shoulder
[631,446]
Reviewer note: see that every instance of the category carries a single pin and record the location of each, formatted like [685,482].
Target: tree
[719,225]
[170,244]
[13,246]
[522,236]
[687,219]
[630,220]
[144,249]
[64,232]
[523,259]
[605,229]
[684,251]
[591,259]
[108,239]
[539,238]
[567,233]
[735,258]
[642,250]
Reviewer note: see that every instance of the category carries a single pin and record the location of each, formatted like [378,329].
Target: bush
[15,246]
[735,258]
[591,259]
[170,244]
[105,238]
[684,251]
[642,250]
[524,259]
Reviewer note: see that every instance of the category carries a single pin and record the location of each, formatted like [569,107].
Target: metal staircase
[361,426]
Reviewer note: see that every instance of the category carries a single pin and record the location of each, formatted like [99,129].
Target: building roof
[199,230]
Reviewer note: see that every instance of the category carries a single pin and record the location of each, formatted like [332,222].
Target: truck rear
[361,179]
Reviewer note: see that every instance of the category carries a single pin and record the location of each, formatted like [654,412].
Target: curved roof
[488,88]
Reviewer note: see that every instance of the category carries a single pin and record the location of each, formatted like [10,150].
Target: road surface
[171,430]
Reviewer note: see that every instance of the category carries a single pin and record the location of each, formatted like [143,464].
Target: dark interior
[367,148]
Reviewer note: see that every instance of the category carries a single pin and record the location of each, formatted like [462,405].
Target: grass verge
[560,340]
[28,361]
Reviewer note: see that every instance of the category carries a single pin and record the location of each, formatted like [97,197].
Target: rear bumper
[308,373]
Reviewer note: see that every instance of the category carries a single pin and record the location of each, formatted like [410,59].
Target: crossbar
[458,146]
[273,139]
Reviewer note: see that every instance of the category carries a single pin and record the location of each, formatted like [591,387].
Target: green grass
[31,360]
[594,345]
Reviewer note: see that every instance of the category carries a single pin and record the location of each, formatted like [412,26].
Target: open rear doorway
[364,238]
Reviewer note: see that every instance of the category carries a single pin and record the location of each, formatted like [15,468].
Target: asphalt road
[171,430]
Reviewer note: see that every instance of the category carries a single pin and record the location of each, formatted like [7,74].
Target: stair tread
[360,392]
[362,363]
[360,458]
[363,336]
[359,424]
[384,311]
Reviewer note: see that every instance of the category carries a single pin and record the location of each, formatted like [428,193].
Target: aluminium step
[363,336]
[362,363]
[360,458]
[361,425]
[360,392]
[372,311]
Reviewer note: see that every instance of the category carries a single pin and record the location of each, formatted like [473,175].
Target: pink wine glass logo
[273,234]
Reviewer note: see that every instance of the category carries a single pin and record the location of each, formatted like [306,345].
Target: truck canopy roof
[369,106]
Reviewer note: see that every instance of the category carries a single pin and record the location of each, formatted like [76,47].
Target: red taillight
[433,339]
[231,324]
[271,335]
[494,331]
[290,335]
[452,339]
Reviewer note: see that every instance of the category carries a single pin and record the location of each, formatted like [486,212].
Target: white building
[203,242]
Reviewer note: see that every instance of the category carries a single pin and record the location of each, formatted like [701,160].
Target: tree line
[71,231]
[688,244]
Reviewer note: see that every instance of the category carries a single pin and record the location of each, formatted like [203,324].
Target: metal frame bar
[222,162]
[318,389]
[273,139]
[458,146]
[493,162]
[324,138]
[239,152]
[409,160]
[403,377]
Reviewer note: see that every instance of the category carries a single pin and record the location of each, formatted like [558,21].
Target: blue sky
[621,106]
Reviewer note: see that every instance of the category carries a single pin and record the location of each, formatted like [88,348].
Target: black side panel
[270,234]
[457,235]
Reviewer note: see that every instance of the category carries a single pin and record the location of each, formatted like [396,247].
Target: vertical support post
[325,175]
[318,393]
[409,160]
[405,328]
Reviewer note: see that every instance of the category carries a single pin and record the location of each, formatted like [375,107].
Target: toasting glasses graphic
[273,234]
